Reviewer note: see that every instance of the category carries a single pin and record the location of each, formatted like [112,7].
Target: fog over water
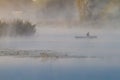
[58,32]
[64,41]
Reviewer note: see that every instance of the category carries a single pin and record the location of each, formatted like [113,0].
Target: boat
[87,36]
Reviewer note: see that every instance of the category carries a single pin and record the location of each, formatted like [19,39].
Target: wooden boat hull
[85,37]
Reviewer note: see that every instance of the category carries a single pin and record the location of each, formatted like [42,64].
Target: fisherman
[88,34]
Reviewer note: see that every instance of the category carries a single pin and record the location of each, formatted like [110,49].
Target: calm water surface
[105,67]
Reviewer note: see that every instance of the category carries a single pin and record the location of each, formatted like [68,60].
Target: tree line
[17,28]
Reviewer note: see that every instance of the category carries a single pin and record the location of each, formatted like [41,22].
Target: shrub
[22,28]
[17,28]
[3,27]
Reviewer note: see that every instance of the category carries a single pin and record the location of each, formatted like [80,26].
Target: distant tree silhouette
[3,26]
[23,28]
[17,28]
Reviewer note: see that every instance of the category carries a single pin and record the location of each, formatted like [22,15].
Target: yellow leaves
[40,2]
[83,7]
[109,8]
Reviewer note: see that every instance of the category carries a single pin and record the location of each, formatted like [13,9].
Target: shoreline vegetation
[17,28]
[42,54]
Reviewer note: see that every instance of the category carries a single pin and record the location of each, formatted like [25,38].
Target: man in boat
[88,34]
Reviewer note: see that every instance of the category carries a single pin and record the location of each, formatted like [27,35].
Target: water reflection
[67,69]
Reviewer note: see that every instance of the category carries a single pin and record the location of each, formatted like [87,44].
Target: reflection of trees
[44,55]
